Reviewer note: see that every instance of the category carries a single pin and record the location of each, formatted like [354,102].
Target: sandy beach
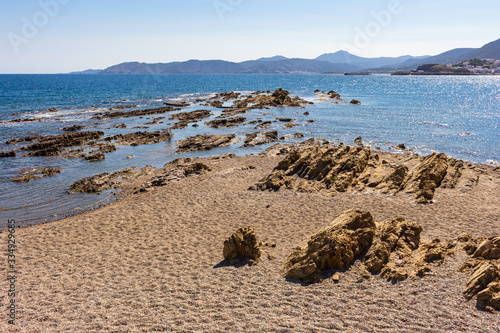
[152,262]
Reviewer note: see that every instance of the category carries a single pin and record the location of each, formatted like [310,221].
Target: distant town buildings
[481,66]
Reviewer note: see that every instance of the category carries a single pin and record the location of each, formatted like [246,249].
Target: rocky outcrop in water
[141,138]
[73,128]
[50,145]
[185,118]
[226,122]
[27,174]
[106,181]
[8,154]
[260,138]
[135,113]
[205,142]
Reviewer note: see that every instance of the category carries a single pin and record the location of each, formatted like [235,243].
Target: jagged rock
[191,116]
[286,120]
[8,154]
[107,148]
[429,174]
[489,248]
[334,247]
[429,252]
[176,104]
[226,122]
[95,157]
[205,142]
[483,275]
[297,136]
[136,113]
[175,171]
[489,298]
[73,128]
[155,121]
[355,102]
[333,95]
[260,138]
[314,168]
[140,138]
[241,245]
[33,173]
[397,235]
[52,144]
[264,125]
[106,181]
[120,126]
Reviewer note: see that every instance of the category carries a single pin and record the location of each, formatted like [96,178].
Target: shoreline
[153,260]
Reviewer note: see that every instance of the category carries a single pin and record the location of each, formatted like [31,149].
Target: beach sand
[152,262]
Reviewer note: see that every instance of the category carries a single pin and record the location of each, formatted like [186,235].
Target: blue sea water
[455,115]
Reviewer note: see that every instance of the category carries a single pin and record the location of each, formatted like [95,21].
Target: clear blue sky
[80,34]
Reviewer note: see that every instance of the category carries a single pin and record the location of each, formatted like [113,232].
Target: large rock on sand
[241,245]
[314,168]
[429,175]
[397,235]
[334,247]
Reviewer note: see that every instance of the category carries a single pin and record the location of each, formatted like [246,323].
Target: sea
[456,115]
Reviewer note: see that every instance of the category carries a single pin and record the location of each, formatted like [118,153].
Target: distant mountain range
[338,62]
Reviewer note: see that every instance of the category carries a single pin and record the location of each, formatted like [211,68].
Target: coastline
[152,261]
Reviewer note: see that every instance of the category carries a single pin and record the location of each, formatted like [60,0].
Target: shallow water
[455,115]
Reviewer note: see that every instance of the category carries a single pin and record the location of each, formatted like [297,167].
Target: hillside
[338,62]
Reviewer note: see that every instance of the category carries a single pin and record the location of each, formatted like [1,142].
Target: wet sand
[152,262]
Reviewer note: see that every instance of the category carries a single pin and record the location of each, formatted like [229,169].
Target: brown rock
[334,247]
[489,298]
[260,138]
[226,122]
[52,144]
[483,275]
[355,102]
[399,236]
[242,245]
[429,175]
[95,157]
[141,138]
[313,168]
[73,128]
[205,142]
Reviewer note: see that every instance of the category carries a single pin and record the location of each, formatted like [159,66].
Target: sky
[60,36]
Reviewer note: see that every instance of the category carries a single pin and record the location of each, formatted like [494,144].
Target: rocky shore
[304,236]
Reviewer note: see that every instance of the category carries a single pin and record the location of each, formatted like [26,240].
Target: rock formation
[334,247]
[342,168]
[226,122]
[260,138]
[205,142]
[50,145]
[242,245]
[25,175]
[135,113]
[140,138]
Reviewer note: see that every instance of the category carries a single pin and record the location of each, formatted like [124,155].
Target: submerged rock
[29,174]
[135,113]
[334,247]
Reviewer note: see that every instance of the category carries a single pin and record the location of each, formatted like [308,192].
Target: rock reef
[205,142]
